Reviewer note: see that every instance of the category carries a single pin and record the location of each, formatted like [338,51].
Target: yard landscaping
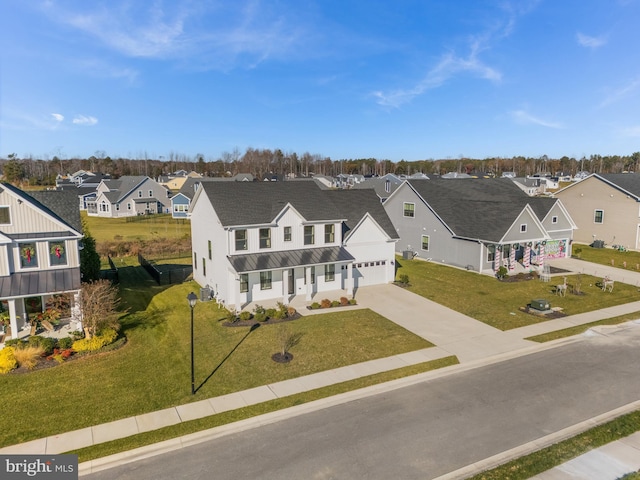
[152,371]
[498,303]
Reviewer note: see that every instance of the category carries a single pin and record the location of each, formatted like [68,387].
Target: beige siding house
[605,207]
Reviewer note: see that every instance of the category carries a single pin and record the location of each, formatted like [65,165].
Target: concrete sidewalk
[473,342]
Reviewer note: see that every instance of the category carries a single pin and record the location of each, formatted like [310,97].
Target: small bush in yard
[232,317]
[105,337]
[352,301]
[335,303]
[7,360]
[344,301]
[47,344]
[325,303]
[271,313]
[245,316]
[291,311]
[404,279]
[260,317]
[65,343]
[315,306]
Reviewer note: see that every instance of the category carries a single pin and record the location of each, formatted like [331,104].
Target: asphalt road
[425,430]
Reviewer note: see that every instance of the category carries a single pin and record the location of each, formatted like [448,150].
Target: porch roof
[253,262]
[26,284]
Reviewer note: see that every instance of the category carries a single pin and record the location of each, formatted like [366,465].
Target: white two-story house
[40,236]
[260,241]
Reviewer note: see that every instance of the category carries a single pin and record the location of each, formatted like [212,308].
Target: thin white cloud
[174,31]
[58,117]
[525,118]
[85,120]
[590,42]
[452,65]
[621,93]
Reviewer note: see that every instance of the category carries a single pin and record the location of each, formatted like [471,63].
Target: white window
[425,242]
[554,219]
[265,238]
[241,239]
[409,209]
[523,228]
[329,272]
[329,233]
[244,282]
[287,234]
[309,238]
[265,280]
[598,216]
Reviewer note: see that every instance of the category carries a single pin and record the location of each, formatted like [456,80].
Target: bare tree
[100,303]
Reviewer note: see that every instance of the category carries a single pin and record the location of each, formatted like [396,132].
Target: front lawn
[608,256]
[498,303]
[143,227]
[152,371]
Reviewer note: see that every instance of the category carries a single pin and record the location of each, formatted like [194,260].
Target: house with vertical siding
[259,241]
[40,235]
[479,224]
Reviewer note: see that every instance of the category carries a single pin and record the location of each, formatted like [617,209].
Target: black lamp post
[192,298]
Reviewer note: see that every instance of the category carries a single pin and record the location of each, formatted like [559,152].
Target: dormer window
[329,233]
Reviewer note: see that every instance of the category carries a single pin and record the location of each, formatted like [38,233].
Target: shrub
[344,301]
[291,311]
[231,316]
[315,306]
[47,344]
[58,357]
[260,317]
[325,303]
[15,343]
[245,316]
[271,313]
[28,356]
[404,279]
[279,314]
[65,343]
[335,303]
[92,344]
[502,272]
[282,308]
[7,360]
[352,301]
[258,309]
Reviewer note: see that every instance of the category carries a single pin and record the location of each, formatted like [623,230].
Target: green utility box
[540,304]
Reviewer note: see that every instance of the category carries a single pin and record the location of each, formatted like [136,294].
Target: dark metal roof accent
[40,235]
[27,284]
[254,262]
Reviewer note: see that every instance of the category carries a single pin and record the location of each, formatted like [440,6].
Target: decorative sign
[555,249]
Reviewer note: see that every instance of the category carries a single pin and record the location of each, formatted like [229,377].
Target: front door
[292,281]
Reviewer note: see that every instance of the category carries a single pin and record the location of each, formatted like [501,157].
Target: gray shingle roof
[478,208]
[258,203]
[61,204]
[629,182]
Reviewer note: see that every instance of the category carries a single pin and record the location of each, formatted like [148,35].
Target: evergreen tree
[89,257]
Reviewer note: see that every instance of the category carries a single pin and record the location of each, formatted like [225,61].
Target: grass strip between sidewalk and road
[561,452]
[578,329]
[185,428]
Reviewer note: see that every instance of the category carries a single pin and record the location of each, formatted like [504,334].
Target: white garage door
[369,273]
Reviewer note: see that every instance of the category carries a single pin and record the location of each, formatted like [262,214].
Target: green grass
[577,330]
[152,371]
[147,228]
[609,256]
[185,428]
[498,303]
[554,455]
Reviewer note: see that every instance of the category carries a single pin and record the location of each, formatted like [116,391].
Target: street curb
[539,444]
[148,451]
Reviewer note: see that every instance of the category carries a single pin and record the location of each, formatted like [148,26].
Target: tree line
[263,163]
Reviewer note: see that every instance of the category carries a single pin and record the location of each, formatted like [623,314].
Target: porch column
[307,275]
[13,318]
[349,279]
[285,286]
[76,310]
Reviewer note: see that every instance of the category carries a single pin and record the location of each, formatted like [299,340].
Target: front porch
[300,302]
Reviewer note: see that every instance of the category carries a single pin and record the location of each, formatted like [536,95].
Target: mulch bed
[252,322]
[280,358]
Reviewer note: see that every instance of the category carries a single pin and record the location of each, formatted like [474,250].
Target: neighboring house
[383,186]
[129,196]
[605,207]
[324,180]
[39,234]
[344,180]
[176,180]
[262,241]
[180,202]
[478,224]
[532,186]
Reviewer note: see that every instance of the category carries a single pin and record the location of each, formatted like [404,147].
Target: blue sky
[387,79]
